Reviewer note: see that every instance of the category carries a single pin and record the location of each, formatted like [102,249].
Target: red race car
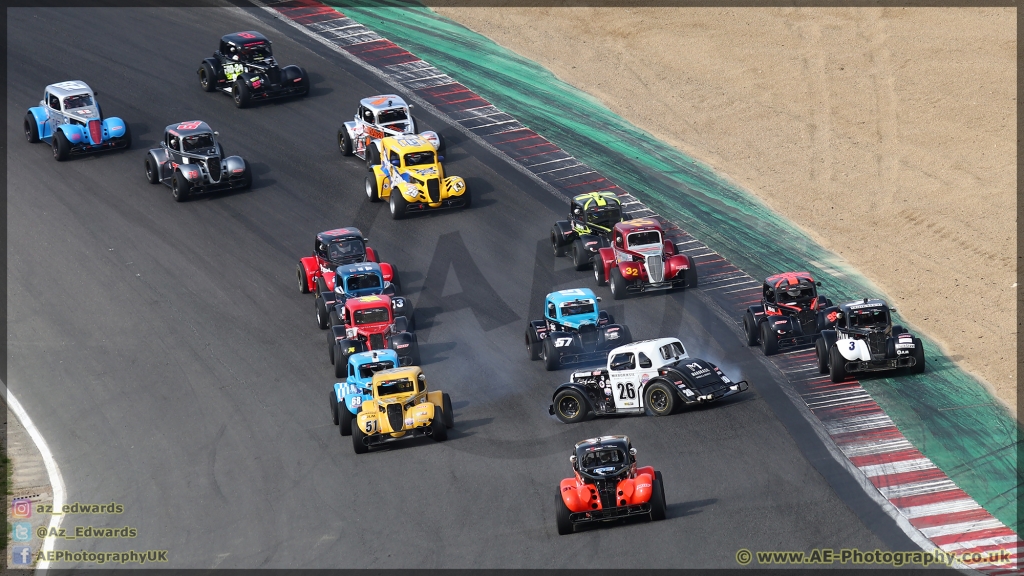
[607,485]
[368,323]
[331,249]
[791,313]
[640,259]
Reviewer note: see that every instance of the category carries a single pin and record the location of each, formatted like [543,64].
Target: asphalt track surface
[170,362]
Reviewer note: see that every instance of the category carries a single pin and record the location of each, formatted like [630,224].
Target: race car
[69,119]
[607,485]
[191,161]
[573,330]
[369,323]
[410,177]
[650,375]
[333,248]
[588,228]
[400,408]
[640,259]
[376,118]
[353,281]
[865,340]
[348,396]
[791,313]
[244,68]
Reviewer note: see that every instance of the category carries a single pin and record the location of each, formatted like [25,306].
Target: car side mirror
[817,283]
[215,133]
[366,239]
[892,309]
[440,158]
[632,451]
[410,106]
[598,298]
[95,92]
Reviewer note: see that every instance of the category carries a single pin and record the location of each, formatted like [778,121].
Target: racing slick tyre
[415,355]
[61,146]
[300,273]
[240,93]
[659,399]
[822,354]
[340,364]
[449,414]
[562,516]
[321,285]
[180,186]
[334,406]
[31,129]
[333,319]
[322,319]
[837,365]
[345,420]
[918,366]
[897,330]
[556,243]
[304,83]
[438,431]
[658,498]
[627,336]
[580,256]
[440,144]
[357,441]
[750,328]
[398,205]
[570,406]
[769,340]
[332,349]
[246,175]
[344,142]
[690,275]
[617,283]
[372,156]
[372,194]
[550,355]
[533,345]
[151,170]
[207,77]
[599,273]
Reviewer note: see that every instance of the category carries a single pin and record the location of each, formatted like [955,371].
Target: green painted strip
[945,413]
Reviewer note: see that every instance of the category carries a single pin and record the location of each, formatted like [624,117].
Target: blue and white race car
[573,330]
[69,119]
[353,281]
[347,397]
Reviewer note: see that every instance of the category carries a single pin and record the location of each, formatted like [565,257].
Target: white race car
[377,117]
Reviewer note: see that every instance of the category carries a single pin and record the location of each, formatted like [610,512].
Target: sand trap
[889,134]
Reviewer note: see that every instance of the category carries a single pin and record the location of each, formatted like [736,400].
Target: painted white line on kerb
[52,471]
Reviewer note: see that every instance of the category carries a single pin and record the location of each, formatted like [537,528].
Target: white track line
[52,471]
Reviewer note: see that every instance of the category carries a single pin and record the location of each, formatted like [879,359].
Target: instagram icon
[21,508]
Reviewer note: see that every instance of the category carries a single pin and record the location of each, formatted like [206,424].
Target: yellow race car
[401,408]
[410,177]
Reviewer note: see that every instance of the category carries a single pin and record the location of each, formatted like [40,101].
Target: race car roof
[789,279]
[593,199]
[339,233]
[362,302]
[190,127]
[360,358]
[864,303]
[248,38]
[347,270]
[637,225]
[601,442]
[410,372]
[408,143]
[571,295]
[69,88]
[383,102]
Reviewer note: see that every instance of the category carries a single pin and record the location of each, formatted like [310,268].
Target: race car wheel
[617,284]
[372,194]
[626,337]
[415,354]
[345,420]
[580,255]
[357,441]
[659,399]
[321,285]
[570,406]
[332,349]
[340,364]
[750,328]
[321,314]
[344,142]
[398,204]
[334,319]
[550,355]
[152,173]
[897,330]
[562,516]
[334,406]
[303,83]
[240,92]
[822,355]
[599,273]
[769,339]
[918,366]
[61,146]
[31,129]
[658,498]
[438,431]
[246,175]
[532,344]
[300,272]
[556,243]
[207,77]
[690,275]
[180,187]
[440,144]
[372,156]
[837,365]
[449,414]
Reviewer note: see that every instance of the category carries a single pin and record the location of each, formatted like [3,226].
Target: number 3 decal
[852,345]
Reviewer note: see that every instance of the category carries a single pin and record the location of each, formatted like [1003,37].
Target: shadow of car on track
[431,353]
[317,88]
[672,511]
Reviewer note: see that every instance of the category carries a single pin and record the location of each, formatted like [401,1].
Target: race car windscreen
[604,216]
[363,282]
[392,115]
[399,386]
[869,318]
[345,250]
[368,370]
[197,142]
[795,295]
[603,461]
[577,307]
[671,350]
[639,239]
[256,53]
[419,158]
[371,316]
[77,101]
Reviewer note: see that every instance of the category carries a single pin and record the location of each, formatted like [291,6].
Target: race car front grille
[588,336]
[876,342]
[606,490]
[434,190]
[274,75]
[376,341]
[95,131]
[213,167]
[395,416]
[655,268]
[808,321]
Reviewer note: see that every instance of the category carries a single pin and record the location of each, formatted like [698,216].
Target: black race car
[588,228]
[865,340]
[791,313]
[245,68]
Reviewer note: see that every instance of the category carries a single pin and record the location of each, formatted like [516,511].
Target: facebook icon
[21,555]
